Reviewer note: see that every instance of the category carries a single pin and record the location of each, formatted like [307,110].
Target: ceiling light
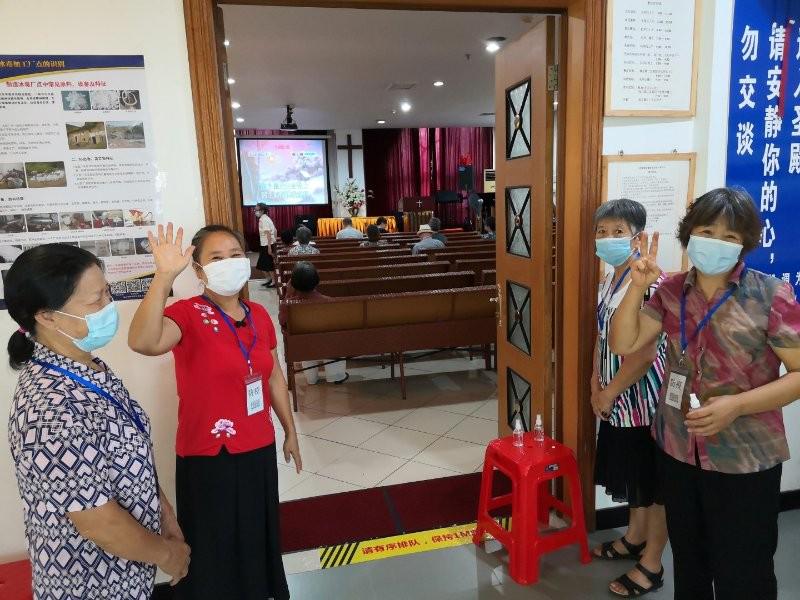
[226,43]
[381,122]
[493,43]
[438,83]
[231,81]
[235,105]
[240,119]
[405,106]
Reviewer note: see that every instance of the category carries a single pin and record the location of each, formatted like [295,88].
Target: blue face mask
[614,251]
[102,325]
[712,256]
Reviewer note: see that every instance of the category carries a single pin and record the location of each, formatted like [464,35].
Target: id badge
[254,385]
[675,388]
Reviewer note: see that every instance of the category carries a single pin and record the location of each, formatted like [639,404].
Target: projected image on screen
[283,171]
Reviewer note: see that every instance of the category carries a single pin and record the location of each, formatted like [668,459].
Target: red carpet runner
[381,512]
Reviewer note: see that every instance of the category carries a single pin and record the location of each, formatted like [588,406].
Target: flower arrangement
[351,197]
[465,160]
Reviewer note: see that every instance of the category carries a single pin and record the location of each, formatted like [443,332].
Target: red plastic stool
[15,581]
[530,469]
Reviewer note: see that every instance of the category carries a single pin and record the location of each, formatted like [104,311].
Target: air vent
[395,87]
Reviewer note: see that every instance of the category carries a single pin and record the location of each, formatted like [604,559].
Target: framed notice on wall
[664,184]
[651,66]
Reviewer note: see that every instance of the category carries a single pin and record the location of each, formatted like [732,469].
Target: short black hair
[630,211]
[381,221]
[347,221]
[42,278]
[373,233]
[305,277]
[435,223]
[303,235]
[490,223]
[733,204]
[287,236]
[200,238]
[262,206]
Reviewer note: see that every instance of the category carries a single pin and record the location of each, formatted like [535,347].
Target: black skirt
[266,261]
[228,509]
[626,465]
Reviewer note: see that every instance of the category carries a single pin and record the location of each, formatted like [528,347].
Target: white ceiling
[335,65]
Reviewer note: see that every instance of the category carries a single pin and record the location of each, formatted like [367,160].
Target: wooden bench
[420,268]
[454,255]
[388,324]
[477,266]
[489,277]
[394,285]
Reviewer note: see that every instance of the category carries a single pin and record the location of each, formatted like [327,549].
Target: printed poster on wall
[764,128]
[77,164]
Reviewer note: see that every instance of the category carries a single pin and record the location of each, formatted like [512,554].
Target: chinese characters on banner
[764,128]
[76,162]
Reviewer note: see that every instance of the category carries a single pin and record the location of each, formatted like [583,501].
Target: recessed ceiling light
[235,105]
[438,83]
[240,119]
[226,43]
[405,106]
[381,122]
[493,43]
[231,81]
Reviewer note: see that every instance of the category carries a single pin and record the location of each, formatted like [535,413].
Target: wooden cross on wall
[350,147]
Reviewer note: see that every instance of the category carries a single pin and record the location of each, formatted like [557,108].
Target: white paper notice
[663,188]
[650,63]
[76,162]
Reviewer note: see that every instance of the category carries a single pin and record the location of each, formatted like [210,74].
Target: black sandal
[634,589]
[608,552]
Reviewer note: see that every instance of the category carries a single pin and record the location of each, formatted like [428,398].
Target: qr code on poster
[134,286]
[118,288]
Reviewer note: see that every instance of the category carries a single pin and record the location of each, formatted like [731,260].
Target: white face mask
[227,277]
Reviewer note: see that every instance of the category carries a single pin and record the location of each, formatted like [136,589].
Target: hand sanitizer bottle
[518,431]
[538,430]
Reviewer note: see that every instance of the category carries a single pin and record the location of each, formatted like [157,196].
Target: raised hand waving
[170,259]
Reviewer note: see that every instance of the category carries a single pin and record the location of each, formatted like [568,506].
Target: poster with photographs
[77,164]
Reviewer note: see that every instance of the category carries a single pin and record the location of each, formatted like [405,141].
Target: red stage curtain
[420,162]
[282,216]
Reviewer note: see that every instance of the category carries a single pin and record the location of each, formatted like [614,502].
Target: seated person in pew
[426,241]
[303,245]
[488,227]
[287,237]
[349,232]
[304,282]
[382,224]
[436,226]
[373,238]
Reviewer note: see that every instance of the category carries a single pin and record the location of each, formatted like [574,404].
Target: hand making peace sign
[170,259]
[645,270]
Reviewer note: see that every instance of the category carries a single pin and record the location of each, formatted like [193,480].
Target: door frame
[581,93]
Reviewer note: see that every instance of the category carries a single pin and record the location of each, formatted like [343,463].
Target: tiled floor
[363,434]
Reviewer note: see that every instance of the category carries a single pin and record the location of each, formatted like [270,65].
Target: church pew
[348,248]
[420,268]
[489,277]
[365,253]
[452,256]
[477,266]
[393,285]
[388,324]
[320,261]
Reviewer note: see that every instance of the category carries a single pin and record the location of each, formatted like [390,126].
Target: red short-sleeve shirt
[211,372]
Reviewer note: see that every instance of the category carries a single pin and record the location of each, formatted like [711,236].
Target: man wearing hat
[426,240]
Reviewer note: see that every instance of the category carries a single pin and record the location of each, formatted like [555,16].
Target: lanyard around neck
[601,308]
[131,414]
[705,320]
[246,352]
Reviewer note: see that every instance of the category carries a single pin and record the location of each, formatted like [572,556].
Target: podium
[416,211]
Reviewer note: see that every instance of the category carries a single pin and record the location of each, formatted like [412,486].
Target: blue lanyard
[601,308]
[246,352]
[706,320]
[97,390]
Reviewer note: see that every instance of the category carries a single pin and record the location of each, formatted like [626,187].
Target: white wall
[155,29]
[705,134]
[342,175]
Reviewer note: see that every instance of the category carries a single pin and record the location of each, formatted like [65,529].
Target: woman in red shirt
[228,378]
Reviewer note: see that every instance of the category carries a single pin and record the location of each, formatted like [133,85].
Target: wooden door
[524,214]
